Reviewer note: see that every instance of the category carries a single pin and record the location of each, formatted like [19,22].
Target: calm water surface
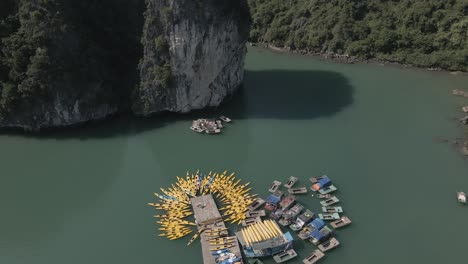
[80,196]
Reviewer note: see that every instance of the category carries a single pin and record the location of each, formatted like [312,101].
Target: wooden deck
[207,216]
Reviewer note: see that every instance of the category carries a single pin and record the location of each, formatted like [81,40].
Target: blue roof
[316,234]
[272,199]
[324,182]
[318,223]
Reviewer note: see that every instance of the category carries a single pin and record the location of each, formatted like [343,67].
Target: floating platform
[313,257]
[209,219]
[343,221]
[292,180]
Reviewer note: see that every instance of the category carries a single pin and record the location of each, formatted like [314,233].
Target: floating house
[264,239]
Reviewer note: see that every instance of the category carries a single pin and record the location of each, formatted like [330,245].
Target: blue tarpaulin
[272,199]
[318,223]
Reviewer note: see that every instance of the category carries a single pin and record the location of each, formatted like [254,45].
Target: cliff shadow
[280,94]
[275,94]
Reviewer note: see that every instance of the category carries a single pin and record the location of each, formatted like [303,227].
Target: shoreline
[347,59]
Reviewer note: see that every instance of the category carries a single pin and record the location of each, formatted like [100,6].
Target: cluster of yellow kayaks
[175,201]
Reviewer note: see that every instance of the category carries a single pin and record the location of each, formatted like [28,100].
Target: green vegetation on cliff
[429,33]
[84,51]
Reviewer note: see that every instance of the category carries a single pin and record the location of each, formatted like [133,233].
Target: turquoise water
[79,196]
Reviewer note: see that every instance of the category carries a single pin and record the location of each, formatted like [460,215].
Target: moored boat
[274,186]
[328,189]
[313,257]
[329,216]
[343,221]
[330,201]
[285,256]
[324,196]
[461,197]
[213,131]
[316,179]
[196,129]
[256,204]
[225,119]
[255,213]
[332,209]
[292,180]
[329,244]
[299,190]
[287,202]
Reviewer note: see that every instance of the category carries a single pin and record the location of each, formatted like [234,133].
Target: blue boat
[317,223]
[214,253]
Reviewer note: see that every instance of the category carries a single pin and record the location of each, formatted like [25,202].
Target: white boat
[196,129]
[214,131]
[274,186]
[329,216]
[292,180]
[461,197]
[225,119]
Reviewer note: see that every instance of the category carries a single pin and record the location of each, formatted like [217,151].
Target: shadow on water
[274,94]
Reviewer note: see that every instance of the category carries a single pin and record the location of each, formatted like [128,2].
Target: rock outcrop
[194,54]
[68,62]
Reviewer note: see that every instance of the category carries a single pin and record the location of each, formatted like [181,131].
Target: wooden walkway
[207,216]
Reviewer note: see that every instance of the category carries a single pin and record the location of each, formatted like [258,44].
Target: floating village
[266,227]
[210,126]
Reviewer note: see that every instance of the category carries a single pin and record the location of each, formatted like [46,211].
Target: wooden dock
[207,216]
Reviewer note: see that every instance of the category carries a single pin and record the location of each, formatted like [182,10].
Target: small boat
[329,244]
[274,186]
[313,257]
[251,221]
[329,217]
[219,124]
[330,201]
[343,221]
[292,180]
[213,131]
[225,119]
[299,190]
[332,209]
[255,213]
[284,256]
[256,204]
[324,196]
[197,129]
[328,189]
[461,197]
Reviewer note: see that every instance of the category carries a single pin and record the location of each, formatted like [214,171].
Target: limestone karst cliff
[67,62]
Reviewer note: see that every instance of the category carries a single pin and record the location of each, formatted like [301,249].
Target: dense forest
[426,33]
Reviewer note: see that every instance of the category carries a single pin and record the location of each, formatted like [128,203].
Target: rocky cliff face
[194,54]
[67,62]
